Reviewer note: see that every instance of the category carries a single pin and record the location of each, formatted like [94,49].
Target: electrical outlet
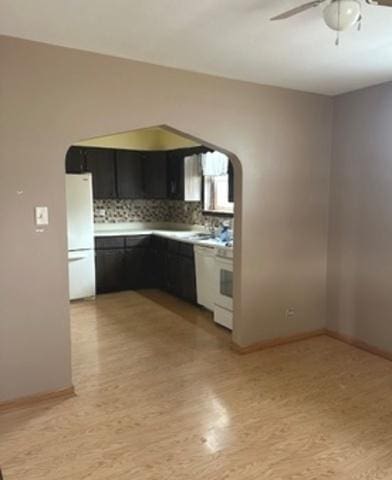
[290,312]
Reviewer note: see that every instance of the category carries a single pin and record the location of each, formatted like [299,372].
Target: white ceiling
[230,38]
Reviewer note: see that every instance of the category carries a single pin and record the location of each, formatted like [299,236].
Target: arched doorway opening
[140,181]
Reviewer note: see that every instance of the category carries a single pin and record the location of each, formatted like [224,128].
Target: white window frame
[216,191]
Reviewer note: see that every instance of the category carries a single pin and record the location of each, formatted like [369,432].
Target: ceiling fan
[338,15]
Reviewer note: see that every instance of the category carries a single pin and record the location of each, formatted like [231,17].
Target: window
[216,194]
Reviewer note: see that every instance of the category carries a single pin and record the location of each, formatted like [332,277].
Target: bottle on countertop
[225,235]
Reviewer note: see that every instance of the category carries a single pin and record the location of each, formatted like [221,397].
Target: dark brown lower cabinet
[172,274]
[136,268]
[157,262]
[139,262]
[109,268]
[180,277]
[187,279]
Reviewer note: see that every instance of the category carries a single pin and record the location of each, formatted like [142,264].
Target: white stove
[223,307]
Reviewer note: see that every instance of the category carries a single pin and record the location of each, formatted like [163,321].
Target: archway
[169,138]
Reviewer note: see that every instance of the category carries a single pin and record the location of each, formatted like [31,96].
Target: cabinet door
[175,173]
[138,241]
[155,175]
[156,269]
[173,246]
[74,160]
[136,268]
[137,261]
[129,174]
[231,182]
[109,268]
[187,279]
[100,162]
[109,243]
[158,262]
[172,277]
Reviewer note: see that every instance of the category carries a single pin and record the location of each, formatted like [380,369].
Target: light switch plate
[41,216]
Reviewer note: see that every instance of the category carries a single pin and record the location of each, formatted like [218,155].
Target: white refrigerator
[80,230]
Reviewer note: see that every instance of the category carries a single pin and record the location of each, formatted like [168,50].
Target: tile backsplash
[152,211]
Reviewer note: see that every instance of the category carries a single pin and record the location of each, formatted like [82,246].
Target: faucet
[210,227]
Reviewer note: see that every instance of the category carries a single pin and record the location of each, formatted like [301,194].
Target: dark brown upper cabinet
[101,163]
[231,182]
[155,175]
[184,174]
[129,166]
[129,174]
[75,160]
[175,175]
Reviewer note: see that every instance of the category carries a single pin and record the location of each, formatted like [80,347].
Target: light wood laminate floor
[160,395]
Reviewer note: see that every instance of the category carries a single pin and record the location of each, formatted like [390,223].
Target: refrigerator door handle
[75,259]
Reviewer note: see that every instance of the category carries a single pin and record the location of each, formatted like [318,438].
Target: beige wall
[52,97]
[360,232]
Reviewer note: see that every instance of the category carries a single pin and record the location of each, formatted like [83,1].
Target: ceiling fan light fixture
[340,15]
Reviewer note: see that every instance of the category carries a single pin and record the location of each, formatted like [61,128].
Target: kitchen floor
[160,395]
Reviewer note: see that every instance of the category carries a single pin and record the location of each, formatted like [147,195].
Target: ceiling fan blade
[296,10]
[381,3]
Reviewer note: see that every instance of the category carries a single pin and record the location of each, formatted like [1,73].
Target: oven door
[224,283]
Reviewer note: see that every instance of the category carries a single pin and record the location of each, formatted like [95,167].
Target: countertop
[183,233]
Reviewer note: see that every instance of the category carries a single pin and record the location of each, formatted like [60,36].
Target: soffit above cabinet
[144,139]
